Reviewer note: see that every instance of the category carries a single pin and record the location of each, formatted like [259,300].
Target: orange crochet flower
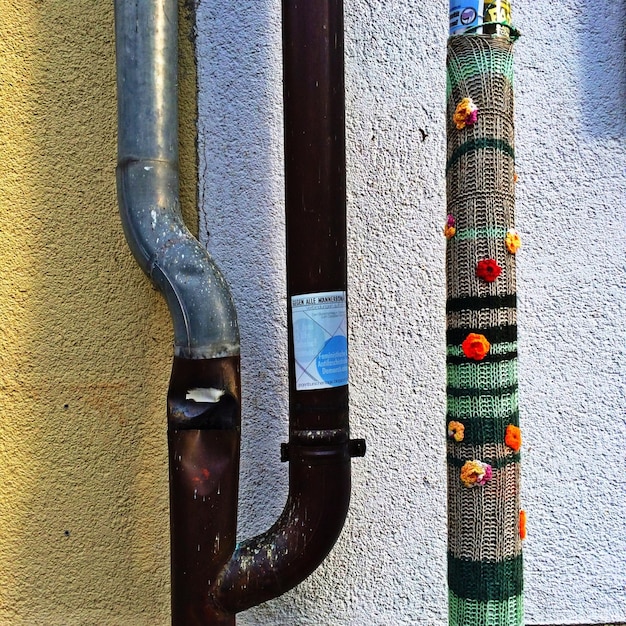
[512,240]
[456,431]
[449,230]
[466,114]
[513,437]
[522,524]
[488,270]
[475,346]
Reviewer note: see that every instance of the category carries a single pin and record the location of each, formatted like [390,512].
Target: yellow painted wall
[85,341]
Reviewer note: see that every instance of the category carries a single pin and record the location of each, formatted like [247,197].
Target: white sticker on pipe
[320,340]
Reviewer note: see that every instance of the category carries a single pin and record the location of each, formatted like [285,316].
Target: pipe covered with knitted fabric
[485,523]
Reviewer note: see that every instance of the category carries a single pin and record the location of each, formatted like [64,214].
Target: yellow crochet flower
[456,431]
[466,114]
[475,473]
[512,240]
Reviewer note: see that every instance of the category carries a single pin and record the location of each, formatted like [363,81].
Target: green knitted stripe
[497,62]
[511,418]
[453,80]
[479,303]
[480,580]
[484,376]
[494,334]
[484,429]
[478,406]
[496,464]
[479,144]
[463,612]
[463,234]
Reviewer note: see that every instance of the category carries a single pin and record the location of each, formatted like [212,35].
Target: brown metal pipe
[274,562]
[319,448]
[212,578]
[315,181]
[204,437]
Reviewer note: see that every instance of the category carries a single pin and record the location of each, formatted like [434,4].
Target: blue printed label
[466,15]
[320,340]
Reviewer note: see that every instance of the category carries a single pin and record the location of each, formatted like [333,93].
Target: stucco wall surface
[389,565]
[85,342]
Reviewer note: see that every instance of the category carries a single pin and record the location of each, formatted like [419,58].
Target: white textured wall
[389,565]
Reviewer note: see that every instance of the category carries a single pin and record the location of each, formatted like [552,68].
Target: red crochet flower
[475,346]
[488,270]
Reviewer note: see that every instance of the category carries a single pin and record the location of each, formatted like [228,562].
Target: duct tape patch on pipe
[199,394]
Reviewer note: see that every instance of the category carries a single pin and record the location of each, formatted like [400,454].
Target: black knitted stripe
[489,358]
[496,464]
[480,580]
[460,392]
[479,144]
[470,303]
[484,429]
[494,334]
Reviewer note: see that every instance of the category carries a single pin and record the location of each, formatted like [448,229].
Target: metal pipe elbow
[270,564]
[199,300]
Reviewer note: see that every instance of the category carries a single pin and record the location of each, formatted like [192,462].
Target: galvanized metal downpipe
[202,310]
[212,578]
[203,398]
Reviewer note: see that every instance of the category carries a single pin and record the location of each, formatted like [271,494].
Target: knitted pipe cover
[484,546]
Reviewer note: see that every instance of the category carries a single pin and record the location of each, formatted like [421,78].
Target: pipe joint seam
[316,453]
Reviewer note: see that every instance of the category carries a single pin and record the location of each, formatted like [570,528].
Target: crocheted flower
[476,473]
[456,431]
[466,114]
[488,270]
[512,240]
[513,437]
[522,524]
[475,346]
[449,230]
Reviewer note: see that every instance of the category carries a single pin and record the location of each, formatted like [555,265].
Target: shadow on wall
[85,342]
[242,217]
[603,71]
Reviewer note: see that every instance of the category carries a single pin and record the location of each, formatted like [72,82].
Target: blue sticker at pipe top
[465,15]
[320,340]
